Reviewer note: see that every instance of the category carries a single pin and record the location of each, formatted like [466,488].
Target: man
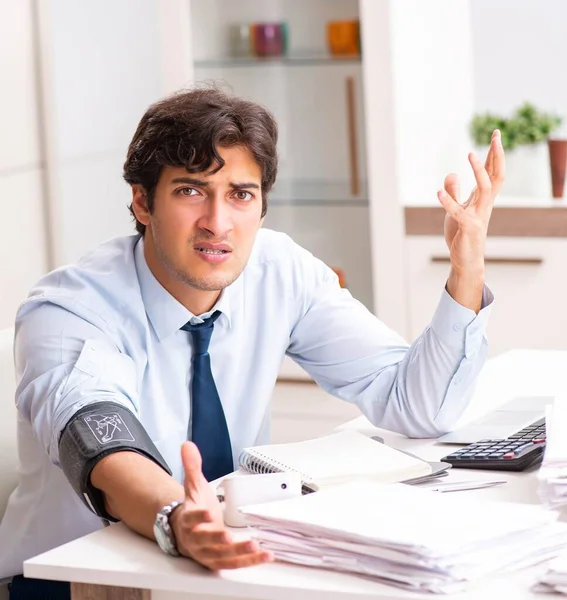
[178,333]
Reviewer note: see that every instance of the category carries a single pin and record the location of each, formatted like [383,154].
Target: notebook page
[341,457]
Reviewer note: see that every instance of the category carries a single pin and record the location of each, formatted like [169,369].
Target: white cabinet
[525,275]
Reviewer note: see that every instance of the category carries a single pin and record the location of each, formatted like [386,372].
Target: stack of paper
[553,471]
[407,536]
[555,578]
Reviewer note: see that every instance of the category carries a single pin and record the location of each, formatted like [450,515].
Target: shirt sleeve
[63,363]
[419,390]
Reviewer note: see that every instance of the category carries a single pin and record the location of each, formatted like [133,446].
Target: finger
[192,465]
[489,162]
[453,187]
[231,550]
[201,538]
[452,208]
[240,554]
[484,186]
[498,168]
[190,519]
[234,554]
[247,560]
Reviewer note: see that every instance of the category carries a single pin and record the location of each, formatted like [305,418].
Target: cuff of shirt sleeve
[460,327]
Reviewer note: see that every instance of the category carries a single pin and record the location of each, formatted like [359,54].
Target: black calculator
[515,453]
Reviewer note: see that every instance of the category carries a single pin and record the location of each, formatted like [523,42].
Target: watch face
[160,537]
[162,530]
[163,539]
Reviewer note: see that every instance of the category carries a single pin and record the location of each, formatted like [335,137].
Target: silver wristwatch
[163,531]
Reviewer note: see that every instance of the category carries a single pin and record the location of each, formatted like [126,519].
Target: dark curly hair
[187,128]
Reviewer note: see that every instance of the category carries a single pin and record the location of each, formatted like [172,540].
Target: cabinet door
[524,275]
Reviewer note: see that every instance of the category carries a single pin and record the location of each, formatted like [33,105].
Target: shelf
[316,193]
[299,60]
[316,202]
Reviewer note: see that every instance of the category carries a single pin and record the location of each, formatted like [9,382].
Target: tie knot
[202,332]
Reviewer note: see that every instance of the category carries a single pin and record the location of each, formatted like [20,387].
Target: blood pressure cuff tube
[94,432]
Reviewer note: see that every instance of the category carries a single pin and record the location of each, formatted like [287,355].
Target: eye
[187,191]
[242,195]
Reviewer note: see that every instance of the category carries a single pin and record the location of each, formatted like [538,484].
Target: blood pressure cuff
[94,432]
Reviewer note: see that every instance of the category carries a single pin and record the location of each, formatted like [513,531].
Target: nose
[216,217]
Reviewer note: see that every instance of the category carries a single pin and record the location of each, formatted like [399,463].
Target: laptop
[504,421]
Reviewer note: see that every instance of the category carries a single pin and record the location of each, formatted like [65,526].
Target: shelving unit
[321,195]
[299,60]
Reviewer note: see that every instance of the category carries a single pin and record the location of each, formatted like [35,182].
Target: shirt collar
[167,314]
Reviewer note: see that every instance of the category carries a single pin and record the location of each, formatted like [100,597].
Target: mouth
[213,253]
[217,251]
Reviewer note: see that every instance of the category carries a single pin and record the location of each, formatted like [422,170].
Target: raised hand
[198,523]
[466,225]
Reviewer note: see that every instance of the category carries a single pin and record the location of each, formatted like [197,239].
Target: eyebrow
[202,183]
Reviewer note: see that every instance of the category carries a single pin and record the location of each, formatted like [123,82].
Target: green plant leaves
[527,125]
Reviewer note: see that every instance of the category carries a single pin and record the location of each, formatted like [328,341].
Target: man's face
[203,225]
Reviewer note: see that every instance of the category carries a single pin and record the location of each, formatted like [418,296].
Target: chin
[211,282]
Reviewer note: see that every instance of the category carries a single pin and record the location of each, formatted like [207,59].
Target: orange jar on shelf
[343,38]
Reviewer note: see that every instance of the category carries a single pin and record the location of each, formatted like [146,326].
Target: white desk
[117,564]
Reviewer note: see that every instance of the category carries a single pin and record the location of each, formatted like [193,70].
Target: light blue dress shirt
[105,329]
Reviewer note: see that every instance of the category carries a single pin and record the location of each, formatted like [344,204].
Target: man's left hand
[466,225]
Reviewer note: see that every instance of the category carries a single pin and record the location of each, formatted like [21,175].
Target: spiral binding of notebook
[259,464]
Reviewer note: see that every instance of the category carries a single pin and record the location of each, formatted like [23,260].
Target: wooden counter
[511,217]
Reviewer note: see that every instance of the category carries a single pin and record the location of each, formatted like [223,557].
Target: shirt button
[456,381]
[457,327]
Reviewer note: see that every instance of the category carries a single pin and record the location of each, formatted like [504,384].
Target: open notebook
[335,459]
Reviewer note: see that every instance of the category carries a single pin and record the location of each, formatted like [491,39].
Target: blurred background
[376,99]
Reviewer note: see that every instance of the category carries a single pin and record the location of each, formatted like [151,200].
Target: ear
[139,204]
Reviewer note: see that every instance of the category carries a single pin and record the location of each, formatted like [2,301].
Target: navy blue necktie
[209,428]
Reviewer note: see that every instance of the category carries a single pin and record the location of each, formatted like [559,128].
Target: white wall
[75,78]
[22,241]
[519,54]
[432,58]
[419,98]
[100,72]
[103,63]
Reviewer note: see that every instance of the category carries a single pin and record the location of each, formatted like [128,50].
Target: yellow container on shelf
[343,38]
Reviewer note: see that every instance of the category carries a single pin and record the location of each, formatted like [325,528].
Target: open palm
[466,225]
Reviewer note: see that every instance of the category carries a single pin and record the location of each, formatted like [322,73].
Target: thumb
[192,466]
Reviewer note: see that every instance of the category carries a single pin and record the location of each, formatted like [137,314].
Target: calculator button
[538,440]
[495,455]
[524,448]
[509,455]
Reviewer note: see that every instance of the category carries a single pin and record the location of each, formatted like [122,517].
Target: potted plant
[524,137]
